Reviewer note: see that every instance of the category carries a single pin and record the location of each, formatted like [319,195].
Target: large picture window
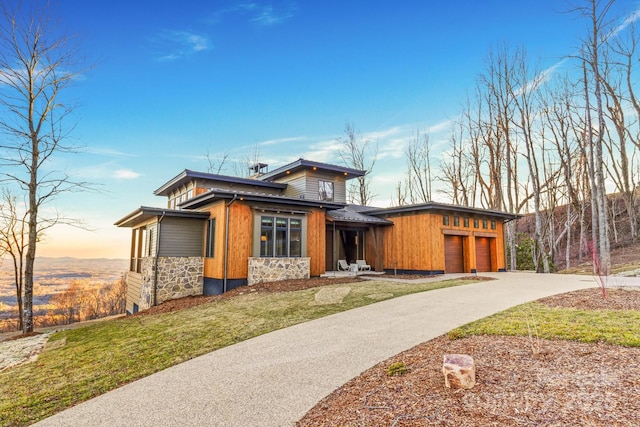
[280,237]
[325,191]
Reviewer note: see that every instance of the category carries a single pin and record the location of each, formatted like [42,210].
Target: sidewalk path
[274,379]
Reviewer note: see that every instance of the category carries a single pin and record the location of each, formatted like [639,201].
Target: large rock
[459,371]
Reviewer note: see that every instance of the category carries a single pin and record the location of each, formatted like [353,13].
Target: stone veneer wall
[146,286]
[274,269]
[177,277]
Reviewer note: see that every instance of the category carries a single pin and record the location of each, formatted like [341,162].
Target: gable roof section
[187,175]
[433,206]
[145,213]
[218,194]
[302,164]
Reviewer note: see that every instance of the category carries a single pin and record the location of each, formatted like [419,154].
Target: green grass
[83,363]
[610,326]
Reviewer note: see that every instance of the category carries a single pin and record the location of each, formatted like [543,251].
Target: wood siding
[134,284]
[416,241]
[214,267]
[305,184]
[240,239]
[181,237]
[316,242]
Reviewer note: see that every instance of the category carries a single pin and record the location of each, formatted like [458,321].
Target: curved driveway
[274,379]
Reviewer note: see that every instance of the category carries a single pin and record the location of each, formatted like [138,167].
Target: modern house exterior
[219,232]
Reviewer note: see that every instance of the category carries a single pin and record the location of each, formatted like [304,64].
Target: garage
[483,254]
[453,254]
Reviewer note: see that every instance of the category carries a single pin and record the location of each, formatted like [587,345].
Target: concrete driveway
[274,379]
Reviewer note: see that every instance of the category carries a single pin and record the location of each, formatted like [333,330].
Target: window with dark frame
[466,221]
[280,237]
[211,238]
[325,191]
[476,223]
[445,219]
[493,224]
[485,224]
[456,221]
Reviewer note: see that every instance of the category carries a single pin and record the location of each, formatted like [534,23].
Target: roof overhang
[187,176]
[352,217]
[432,206]
[145,213]
[219,194]
[302,164]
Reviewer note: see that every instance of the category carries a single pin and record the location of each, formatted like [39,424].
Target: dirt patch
[567,383]
[330,296]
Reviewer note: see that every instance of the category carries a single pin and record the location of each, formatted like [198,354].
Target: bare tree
[418,155]
[361,154]
[217,163]
[36,66]
[13,242]
[596,13]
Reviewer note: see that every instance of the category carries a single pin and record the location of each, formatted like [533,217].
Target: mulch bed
[564,384]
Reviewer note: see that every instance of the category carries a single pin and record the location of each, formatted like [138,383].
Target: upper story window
[476,222]
[466,221]
[325,190]
[485,224]
[445,219]
[456,221]
[493,224]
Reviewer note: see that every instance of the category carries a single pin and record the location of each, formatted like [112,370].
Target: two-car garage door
[454,254]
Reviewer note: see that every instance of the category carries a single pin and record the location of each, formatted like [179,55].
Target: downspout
[155,261]
[226,245]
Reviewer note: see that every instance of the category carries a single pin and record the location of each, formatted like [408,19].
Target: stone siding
[146,286]
[274,269]
[177,277]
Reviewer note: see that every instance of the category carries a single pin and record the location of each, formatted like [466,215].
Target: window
[466,222]
[445,219]
[211,238]
[456,221]
[325,191]
[476,223]
[493,224]
[485,223]
[295,244]
[266,236]
[280,237]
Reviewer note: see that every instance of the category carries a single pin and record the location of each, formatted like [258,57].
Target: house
[219,232]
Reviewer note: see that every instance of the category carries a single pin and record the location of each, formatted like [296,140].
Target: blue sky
[173,80]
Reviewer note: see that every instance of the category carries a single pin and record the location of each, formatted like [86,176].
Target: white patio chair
[362,265]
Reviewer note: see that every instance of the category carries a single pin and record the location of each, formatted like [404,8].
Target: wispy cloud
[282,140]
[178,44]
[104,151]
[126,174]
[262,14]
[266,15]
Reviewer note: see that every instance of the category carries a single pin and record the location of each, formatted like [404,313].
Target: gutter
[226,245]
[155,261]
